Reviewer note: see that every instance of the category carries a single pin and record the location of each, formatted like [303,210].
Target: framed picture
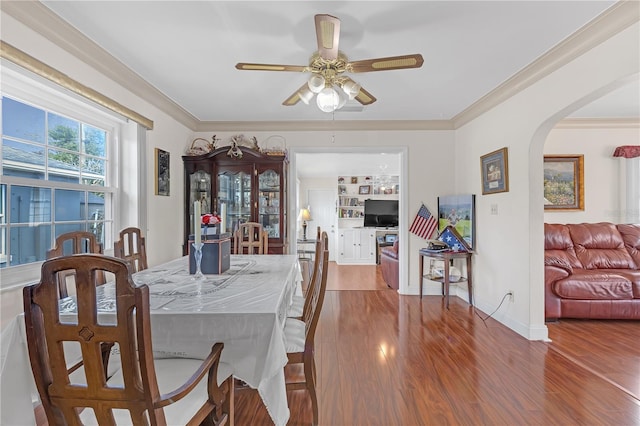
[563,182]
[458,211]
[163,183]
[354,179]
[364,189]
[495,171]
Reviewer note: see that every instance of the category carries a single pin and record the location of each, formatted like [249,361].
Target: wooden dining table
[245,308]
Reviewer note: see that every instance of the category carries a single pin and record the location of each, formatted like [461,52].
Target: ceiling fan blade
[364,97]
[295,97]
[385,64]
[270,67]
[328,35]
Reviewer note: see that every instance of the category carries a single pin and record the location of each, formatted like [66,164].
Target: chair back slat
[69,243]
[132,248]
[318,288]
[251,238]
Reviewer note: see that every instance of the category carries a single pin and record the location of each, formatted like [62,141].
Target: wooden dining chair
[300,334]
[300,303]
[143,390]
[131,247]
[251,238]
[69,243]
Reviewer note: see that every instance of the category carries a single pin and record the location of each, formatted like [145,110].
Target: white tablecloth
[245,308]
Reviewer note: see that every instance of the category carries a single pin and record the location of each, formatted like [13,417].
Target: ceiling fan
[328,66]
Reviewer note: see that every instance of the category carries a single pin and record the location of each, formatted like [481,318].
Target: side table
[446,256]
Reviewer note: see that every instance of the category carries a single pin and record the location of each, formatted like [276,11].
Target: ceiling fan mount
[328,66]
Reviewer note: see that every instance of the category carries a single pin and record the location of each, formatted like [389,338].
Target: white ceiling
[188,50]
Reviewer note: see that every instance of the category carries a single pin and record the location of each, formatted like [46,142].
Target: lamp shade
[316,83]
[305,95]
[304,215]
[328,99]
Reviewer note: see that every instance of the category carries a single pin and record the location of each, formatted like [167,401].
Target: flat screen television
[380,213]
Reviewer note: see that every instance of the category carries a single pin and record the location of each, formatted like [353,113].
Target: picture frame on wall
[494,168]
[364,190]
[563,182]
[162,175]
[458,211]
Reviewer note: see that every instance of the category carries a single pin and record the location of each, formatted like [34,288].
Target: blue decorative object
[450,236]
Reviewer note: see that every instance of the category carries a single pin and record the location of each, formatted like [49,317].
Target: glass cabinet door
[234,197]
[200,190]
[269,202]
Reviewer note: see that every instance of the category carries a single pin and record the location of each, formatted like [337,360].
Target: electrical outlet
[511,296]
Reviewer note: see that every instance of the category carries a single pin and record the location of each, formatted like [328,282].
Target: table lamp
[304,216]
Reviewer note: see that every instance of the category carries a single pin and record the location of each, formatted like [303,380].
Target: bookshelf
[354,190]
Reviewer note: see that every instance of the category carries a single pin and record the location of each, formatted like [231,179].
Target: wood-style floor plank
[385,359]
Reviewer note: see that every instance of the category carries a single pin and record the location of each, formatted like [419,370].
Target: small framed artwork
[495,171]
[563,182]
[364,189]
[163,182]
[354,179]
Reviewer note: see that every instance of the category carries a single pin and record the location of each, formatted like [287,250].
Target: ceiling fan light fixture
[305,95]
[316,83]
[351,89]
[328,100]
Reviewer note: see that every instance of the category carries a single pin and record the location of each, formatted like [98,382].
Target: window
[56,175]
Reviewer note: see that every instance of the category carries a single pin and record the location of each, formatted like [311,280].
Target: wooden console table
[446,256]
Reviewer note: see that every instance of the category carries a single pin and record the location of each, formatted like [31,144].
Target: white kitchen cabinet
[356,246]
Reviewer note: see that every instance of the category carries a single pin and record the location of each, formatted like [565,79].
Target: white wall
[510,244]
[164,235]
[602,197]
[430,173]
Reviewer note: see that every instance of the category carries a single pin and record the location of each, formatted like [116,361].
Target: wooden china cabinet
[250,184]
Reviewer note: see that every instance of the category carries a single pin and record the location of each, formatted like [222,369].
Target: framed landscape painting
[563,182]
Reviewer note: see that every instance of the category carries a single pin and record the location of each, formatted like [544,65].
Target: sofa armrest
[552,274]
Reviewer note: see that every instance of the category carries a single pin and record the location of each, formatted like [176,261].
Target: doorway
[325,161]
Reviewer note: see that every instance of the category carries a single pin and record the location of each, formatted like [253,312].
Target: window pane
[3,204]
[68,227]
[94,141]
[64,133]
[64,166]
[30,205]
[23,160]
[93,171]
[22,121]
[70,206]
[3,248]
[29,243]
[3,230]
[96,205]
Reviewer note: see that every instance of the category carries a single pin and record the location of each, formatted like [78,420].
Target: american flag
[424,224]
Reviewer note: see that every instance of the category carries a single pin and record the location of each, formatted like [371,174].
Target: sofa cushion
[558,244]
[631,237]
[600,246]
[593,285]
[557,262]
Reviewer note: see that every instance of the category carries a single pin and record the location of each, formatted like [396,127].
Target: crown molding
[42,20]
[599,123]
[320,125]
[612,21]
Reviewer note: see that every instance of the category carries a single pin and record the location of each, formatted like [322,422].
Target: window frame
[30,89]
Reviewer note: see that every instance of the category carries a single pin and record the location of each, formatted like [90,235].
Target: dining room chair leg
[310,378]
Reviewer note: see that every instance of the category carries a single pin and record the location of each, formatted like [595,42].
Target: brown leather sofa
[389,265]
[592,270]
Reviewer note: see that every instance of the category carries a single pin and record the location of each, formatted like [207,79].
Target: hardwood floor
[385,359]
